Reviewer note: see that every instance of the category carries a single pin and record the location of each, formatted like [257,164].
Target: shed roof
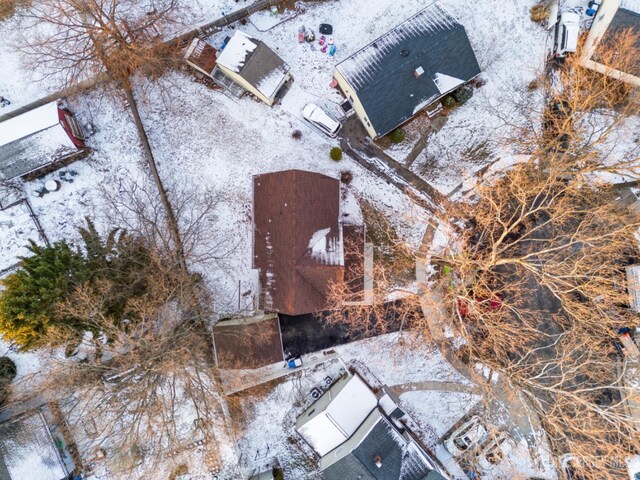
[297,239]
[248,343]
[254,61]
[383,73]
[27,451]
[201,55]
[32,140]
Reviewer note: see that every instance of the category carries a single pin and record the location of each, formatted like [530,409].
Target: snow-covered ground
[17,227]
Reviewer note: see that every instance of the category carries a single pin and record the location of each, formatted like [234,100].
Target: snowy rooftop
[27,451]
[254,61]
[32,140]
[29,123]
[633,5]
[377,440]
[337,414]
[410,67]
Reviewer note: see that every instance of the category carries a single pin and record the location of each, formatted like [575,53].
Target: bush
[336,154]
[277,474]
[397,136]
[539,13]
[449,102]
[346,177]
[297,134]
[533,85]
[8,370]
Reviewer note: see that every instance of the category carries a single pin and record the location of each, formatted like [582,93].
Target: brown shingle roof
[248,344]
[297,239]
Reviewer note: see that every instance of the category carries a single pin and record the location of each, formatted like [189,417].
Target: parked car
[313,114]
[567,33]
[494,451]
[468,435]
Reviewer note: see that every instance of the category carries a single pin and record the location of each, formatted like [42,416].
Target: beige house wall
[250,88]
[355,102]
[601,22]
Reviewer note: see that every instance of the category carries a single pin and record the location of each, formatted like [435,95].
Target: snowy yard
[17,227]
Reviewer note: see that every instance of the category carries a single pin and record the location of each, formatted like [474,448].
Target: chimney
[418,72]
[377,459]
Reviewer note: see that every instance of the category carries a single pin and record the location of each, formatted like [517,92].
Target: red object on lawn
[301,37]
[334,83]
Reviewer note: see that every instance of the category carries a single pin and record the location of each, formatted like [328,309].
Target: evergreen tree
[28,303]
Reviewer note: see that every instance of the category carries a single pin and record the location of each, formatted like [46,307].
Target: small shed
[201,56]
[251,64]
[37,139]
[248,343]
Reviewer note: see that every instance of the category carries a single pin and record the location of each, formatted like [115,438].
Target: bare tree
[77,40]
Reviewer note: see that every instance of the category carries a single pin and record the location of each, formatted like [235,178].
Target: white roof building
[336,415]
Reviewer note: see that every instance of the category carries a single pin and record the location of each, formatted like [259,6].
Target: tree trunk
[171,216]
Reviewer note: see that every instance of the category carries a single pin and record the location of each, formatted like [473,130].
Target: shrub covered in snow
[336,154]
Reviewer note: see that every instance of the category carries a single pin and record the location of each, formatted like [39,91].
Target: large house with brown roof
[299,238]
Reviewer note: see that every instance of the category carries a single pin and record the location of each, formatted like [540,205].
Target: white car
[494,451]
[567,33]
[466,436]
[313,114]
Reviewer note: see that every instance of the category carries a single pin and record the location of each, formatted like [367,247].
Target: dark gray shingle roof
[400,460]
[624,20]
[382,73]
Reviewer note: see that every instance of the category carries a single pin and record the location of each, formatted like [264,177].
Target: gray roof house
[407,69]
[358,435]
[250,64]
[613,21]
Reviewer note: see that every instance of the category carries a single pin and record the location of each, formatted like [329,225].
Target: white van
[567,33]
[313,114]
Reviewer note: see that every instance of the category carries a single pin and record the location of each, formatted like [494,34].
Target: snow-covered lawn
[17,227]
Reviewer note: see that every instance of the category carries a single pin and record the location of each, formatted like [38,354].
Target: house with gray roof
[359,435]
[250,65]
[37,140]
[407,69]
[616,25]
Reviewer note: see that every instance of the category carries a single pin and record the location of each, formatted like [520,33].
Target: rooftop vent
[404,52]
[418,72]
[377,459]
